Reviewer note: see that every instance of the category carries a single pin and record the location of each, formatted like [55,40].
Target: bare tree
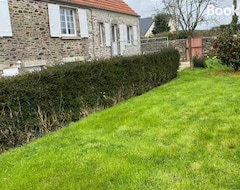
[187,15]
[234,17]
[235,5]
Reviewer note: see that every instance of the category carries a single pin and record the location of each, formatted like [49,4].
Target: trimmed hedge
[34,104]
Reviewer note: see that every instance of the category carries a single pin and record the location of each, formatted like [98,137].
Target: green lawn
[182,135]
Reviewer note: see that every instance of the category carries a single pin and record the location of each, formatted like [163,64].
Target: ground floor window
[129,34]
[101,34]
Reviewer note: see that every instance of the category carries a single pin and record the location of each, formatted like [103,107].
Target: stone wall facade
[32,42]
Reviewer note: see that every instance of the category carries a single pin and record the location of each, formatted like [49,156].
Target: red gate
[197,47]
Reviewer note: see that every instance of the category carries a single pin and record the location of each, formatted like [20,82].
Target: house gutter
[93,37]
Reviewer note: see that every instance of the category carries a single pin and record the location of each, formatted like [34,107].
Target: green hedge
[34,104]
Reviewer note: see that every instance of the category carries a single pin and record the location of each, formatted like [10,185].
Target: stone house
[39,33]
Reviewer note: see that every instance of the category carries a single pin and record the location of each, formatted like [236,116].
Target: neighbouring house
[147,25]
[39,33]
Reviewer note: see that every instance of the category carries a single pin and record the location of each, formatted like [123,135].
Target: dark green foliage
[161,24]
[231,26]
[177,35]
[227,48]
[199,62]
[234,22]
[34,104]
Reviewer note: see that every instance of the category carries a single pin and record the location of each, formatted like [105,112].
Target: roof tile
[111,5]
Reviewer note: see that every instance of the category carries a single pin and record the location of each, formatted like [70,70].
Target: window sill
[6,36]
[71,38]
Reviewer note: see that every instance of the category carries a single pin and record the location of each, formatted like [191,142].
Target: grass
[182,135]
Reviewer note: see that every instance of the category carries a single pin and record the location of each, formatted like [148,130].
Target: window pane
[61,11]
[64,31]
[67,12]
[71,25]
[113,34]
[63,25]
[72,31]
[62,18]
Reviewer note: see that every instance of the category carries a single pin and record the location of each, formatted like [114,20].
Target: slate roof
[145,24]
[111,5]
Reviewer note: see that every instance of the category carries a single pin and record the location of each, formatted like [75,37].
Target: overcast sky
[146,8]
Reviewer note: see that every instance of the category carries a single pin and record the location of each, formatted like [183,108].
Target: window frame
[80,21]
[67,22]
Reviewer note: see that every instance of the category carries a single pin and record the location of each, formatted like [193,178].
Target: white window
[107,34]
[135,35]
[104,34]
[114,41]
[129,34]
[62,21]
[67,19]
[114,32]
[5,22]
[101,34]
[123,37]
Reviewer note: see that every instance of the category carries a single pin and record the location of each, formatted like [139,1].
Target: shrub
[227,49]
[213,63]
[34,104]
[199,62]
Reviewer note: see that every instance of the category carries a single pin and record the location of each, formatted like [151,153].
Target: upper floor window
[67,21]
